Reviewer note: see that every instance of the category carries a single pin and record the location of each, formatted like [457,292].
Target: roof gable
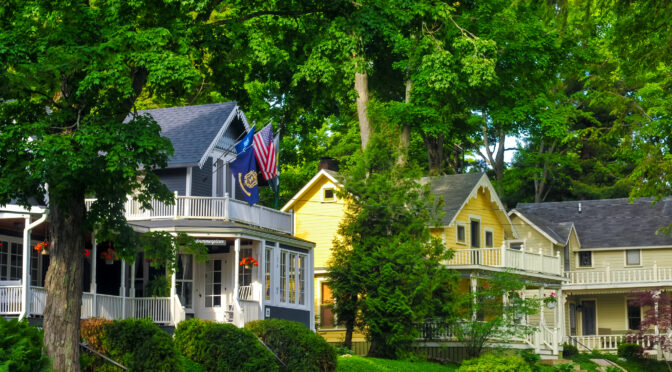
[458,189]
[606,223]
[196,130]
[330,175]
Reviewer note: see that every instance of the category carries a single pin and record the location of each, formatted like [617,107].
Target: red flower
[248,261]
[86,253]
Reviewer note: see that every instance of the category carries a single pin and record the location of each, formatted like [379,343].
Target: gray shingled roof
[604,223]
[454,189]
[191,129]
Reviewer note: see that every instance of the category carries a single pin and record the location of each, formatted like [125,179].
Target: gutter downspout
[25,276]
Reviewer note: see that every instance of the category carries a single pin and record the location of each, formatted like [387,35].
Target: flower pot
[109,261]
[551,305]
[247,266]
[45,252]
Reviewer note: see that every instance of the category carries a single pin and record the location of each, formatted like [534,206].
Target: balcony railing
[209,208]
[609,342]
[508,258]
[608,276]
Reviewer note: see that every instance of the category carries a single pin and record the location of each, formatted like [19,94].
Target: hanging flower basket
[248,262]
[109,256]
[41,247]
[551,301]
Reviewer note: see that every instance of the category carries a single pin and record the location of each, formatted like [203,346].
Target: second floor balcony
[520,260]
[209,208]
[622,277]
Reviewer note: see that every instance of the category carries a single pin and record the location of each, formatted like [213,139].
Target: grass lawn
[644,365]
[357,363]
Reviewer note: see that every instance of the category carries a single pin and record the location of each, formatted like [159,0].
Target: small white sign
[268,312]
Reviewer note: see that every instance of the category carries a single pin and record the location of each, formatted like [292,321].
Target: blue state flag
[245,143]
[244,169]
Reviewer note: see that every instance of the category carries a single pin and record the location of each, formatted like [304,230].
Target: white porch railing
[178,311]
[250,311]
[246,293]
[608,342]
[10,300]
[210,208]
[508,258]
[608,276]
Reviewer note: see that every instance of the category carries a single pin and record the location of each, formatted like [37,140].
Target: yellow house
[475,225]
[611,250]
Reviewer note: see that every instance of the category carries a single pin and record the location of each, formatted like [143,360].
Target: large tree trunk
[362,89]
[540,183]
[494,159]
[405,138]
[349,329]
[434,147]
[64,281]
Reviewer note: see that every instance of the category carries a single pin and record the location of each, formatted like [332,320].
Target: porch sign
[244,170]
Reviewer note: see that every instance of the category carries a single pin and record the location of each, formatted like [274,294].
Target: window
[11,255]
[585,259]
[326,307]
[267,273]
[245,274]
[184,279]
[213,283]
[293,277]
[634,315]
[475,234]
[461,232]
[517,245]
[633,257]
[489,238]
[328,195]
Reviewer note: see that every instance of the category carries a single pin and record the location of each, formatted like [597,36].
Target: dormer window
[328,194]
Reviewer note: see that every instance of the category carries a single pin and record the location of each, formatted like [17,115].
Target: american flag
[264,151]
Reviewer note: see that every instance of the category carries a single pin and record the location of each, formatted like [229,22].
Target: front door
[214,283]
[588,317]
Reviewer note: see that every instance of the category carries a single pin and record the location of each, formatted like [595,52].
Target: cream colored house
[611,249]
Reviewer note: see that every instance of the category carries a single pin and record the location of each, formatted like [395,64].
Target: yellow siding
[481,208]
[573,246]
[318,221]
[610,311]
[616,259]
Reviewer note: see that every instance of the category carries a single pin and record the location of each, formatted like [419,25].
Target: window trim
[487,230]
[625,258]
[307,300]
[473,218]
[521,241]
[323,190]
[578,260]
[457,226]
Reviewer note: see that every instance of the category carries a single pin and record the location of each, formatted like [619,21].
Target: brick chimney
[328,164]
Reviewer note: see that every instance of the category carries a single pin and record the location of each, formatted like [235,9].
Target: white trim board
[308,186]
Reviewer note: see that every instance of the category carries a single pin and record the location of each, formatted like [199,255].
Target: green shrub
[342,350]
[222,347]
[569,351]
[189,365]
[493,363]
[612,369]
[630,351]
[530,357]
[21,347]
[140,345]
[566,367]
[297,346]
[92,331]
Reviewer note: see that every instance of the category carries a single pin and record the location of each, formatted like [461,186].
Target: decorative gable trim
[235,113]
[485,183]
[308,186]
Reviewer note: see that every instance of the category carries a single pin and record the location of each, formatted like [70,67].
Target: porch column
[236,284]
[542,321]
[474,283]
[523,296]
[173,293]
[561,315]
[94,270]
[25,274]
[132,292]
[122,289]
[656,331]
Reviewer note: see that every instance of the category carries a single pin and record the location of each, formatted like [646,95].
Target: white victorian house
[206,207]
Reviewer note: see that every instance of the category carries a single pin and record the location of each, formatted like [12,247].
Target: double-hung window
[633,257]
[586,259]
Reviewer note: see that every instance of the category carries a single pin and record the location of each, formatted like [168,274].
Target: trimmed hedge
[297,346]
[92,331]
[222,347]
[493,363]
[21,347]
[140,345]
[569,351]
[630,351]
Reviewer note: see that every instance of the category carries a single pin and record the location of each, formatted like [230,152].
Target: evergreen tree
[386,269]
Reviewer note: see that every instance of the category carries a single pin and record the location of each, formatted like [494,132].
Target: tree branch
[282,13]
